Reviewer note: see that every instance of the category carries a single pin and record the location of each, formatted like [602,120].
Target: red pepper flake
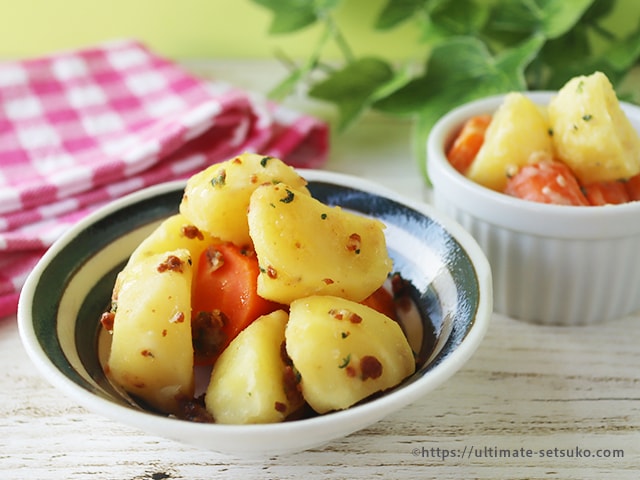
[280,407]
[178,317]
[146,353]
[172,263]
[237,161]
[208,336]
[164,332]
[350,371]
[107,320]
[345,314]
[291,384]
[327,281]
[191,232]
[253,179]
[353,244]
[272,272]
[370,367]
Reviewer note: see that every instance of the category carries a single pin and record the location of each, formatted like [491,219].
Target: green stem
[339,38]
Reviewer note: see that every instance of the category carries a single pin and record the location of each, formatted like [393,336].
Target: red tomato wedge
[225,298]
[606,193]
[633,188]
[467,143]
[546,182]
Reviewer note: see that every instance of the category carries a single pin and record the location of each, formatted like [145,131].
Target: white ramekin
[551,264]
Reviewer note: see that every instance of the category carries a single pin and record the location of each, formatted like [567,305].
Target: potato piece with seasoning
[344,351]
[591,132]
[216,199]
[251,382]
[305,247]
[518,130]
[151,353]
[174,233]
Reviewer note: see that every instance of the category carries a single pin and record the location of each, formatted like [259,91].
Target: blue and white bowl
[66,293]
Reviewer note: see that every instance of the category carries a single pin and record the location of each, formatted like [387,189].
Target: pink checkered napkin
[80,128]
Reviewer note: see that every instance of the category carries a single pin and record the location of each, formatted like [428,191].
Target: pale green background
[181,28]
[188,29]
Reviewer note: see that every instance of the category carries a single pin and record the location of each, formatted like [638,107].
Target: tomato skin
[226,284]
[547,182]
[606,193]
[467,143]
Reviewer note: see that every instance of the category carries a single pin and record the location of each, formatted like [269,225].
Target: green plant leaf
[624,53]
[550,17]
[397,11]
[460,70]
[448,18]
[353,88]
[293,15]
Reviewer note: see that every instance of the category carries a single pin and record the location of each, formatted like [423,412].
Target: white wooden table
[534,402]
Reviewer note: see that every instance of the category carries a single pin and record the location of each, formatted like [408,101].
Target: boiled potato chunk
[591,132]
[216,199]
[250,382]
[175,232]
[518,129]
[305,247]
[151,352]
[344,351]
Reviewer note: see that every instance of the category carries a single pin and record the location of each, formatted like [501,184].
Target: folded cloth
[80,128]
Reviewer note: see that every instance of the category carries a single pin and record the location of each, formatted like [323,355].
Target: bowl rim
[331,425]
[514,213]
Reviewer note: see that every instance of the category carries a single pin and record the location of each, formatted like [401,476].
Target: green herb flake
[289,197]
[264,161]
[580,87]
[587,117]
[323,216]
[344,334]
[220,179]
[345,361]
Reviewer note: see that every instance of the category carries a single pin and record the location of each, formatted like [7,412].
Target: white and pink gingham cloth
[80,128]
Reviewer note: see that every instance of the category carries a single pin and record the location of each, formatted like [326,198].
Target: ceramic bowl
[65,294]
[551,264]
